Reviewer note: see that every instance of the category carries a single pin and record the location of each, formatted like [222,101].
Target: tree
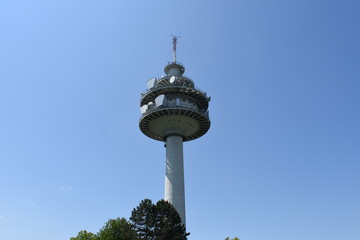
[85,235]
[117,229]
[149,221]
[158,221]
[235,238]
[143,219]
[168,223]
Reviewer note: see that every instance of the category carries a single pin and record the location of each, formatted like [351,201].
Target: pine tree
[168,225]
[143,219]
[158,221]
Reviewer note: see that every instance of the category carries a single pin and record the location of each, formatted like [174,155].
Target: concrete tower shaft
[174,174]
[173,110]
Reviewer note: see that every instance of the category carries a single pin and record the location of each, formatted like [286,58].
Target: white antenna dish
[151,83]
[172,79]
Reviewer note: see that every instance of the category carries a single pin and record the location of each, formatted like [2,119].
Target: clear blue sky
[280,162]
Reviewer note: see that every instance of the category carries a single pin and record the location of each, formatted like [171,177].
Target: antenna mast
[175,38]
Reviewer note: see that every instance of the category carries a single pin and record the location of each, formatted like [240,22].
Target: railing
[178,63]
[186,78]
[149,111]
[175,86]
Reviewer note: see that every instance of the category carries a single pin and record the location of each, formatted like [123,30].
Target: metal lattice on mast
[175,38]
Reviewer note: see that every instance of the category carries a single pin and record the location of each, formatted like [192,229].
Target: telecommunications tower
[174,111]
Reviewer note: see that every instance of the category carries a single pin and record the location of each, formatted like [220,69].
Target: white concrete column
[174,176]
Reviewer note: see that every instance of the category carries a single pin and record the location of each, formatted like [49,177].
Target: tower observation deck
[173,110]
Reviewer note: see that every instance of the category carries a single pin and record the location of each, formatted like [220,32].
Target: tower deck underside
[160,123]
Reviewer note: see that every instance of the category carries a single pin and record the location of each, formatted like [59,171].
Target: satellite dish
[143,109]
[151,83]
[160,100]
[172,79]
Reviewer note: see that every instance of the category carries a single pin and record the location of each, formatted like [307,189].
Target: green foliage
[85,235]
[235,238]
[143,219]
[168,223]
[149,221]
[158,221]
[117,229]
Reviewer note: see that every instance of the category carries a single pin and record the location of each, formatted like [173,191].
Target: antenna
[175,38]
